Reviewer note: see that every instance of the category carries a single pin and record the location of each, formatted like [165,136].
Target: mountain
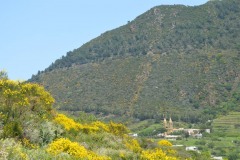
[177,60]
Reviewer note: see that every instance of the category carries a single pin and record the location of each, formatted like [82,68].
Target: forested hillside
[180,60]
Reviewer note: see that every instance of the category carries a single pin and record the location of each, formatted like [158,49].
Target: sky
[35,33]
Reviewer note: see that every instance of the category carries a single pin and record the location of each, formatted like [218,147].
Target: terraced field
[228,125]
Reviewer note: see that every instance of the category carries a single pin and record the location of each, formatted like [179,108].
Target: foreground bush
[63,145]
[156,154]
[117,129]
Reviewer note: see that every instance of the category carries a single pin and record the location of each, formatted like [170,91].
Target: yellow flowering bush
[67,123]
[38,92]
[118,129]
[156,154]
[101,125]
[64,145]
[25,93]
[133,145]
[114,128]
[166,146]
[165,143]
[20,99]
[89,129]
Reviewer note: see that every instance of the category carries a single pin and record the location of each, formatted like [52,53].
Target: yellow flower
[133,145]
[156,154]
[67,123]
[27,143]
[23,156]
[64,145]
[101,125]
[165,143]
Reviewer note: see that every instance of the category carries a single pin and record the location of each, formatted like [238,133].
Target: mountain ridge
[175,59]
[91,51]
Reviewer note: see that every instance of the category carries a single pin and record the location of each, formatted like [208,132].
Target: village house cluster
[170,130]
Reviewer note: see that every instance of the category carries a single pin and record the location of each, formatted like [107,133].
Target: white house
[198,136]
[208,130]
[217,158]
[172,137]
[192,148]
[133,134]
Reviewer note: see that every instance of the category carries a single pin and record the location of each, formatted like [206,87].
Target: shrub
[133,145]
[12,129]
[118,129]
[66,122]
[63,145]
[42,133]
[156,154]
[10,149]
[165,143]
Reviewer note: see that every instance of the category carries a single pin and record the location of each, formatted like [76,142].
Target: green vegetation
[166,30]
[163,29]
[117,87]
[172,59]
[222,141]
[31,129]
[227,126]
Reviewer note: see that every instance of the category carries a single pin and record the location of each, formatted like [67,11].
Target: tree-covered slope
[175,59]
